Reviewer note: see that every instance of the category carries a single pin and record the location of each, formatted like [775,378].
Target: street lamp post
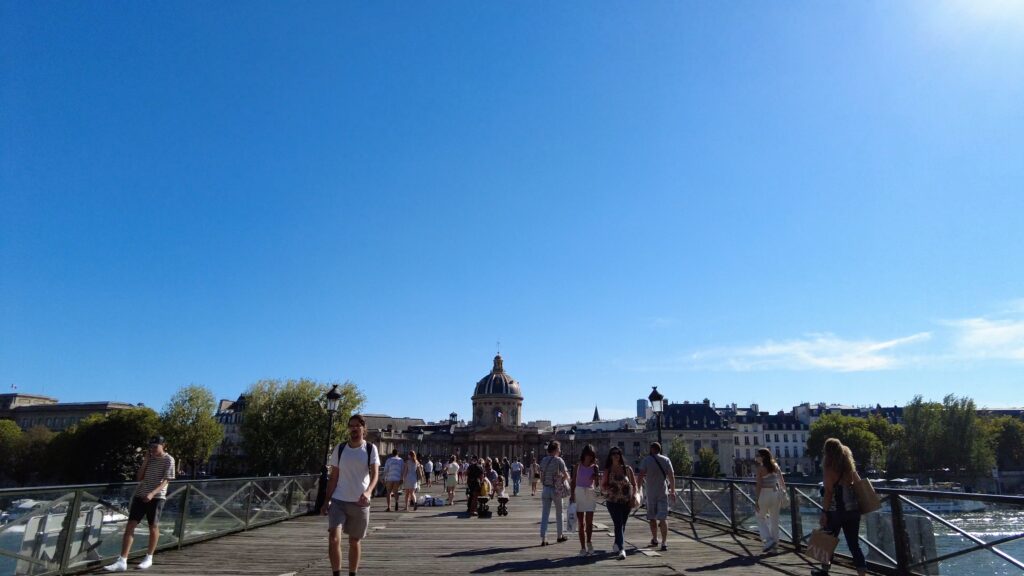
[332,398]
[419,444]
[572,442]
[657,406]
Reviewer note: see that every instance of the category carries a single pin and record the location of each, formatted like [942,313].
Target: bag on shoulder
[867,499]
[638,497]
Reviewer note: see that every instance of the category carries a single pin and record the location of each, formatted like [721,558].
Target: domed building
[497,400]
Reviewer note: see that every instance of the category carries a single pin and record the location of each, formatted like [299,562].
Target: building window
[776,436]
[748,453]
[735,441]
[786,452]
[746,440]
[785,437]
[737,453]
[777,455]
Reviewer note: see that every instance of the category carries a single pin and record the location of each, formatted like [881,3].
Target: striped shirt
[157,470]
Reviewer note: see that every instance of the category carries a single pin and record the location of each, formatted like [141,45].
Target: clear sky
[744,201]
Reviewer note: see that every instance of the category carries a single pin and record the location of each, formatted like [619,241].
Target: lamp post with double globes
[332,398]
[657,406]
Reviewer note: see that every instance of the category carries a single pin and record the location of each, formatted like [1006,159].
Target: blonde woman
[410,480]
[841,511]
[768,495]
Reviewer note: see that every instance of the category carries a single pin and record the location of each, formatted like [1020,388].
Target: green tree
[964,445]
[709,466]
[891,437]
[682,464]
[1006,439]
[284,422]
[853,432]
[103,447]
[31,447]
[10,442]
[922,422]
[189,425]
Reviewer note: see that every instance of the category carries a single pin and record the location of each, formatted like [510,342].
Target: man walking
[428,470]
[354,467]
[147,500]
[474,478]
[660,484]
[393,477]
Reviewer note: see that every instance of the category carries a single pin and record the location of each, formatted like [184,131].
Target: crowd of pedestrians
[354,473]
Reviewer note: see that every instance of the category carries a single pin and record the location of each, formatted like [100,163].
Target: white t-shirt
[453,469]
[517,468]
[428,468]
[353,474]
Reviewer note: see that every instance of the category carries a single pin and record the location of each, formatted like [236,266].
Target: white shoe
[590,547]
[622,554]
[120,565]
[583,552]
[146,563]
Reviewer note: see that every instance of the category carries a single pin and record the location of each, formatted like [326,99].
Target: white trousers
[768,504]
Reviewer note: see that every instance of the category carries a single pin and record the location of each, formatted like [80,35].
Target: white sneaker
[590,547]
[120,565]
[622,554]
[583,552]
[146,563]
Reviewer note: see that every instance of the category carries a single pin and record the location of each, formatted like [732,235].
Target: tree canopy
[284,426]
[189,425]
[682,464]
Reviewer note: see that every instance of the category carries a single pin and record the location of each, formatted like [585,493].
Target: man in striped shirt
[148,500]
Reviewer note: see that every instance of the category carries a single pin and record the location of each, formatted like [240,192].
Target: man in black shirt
[474,476]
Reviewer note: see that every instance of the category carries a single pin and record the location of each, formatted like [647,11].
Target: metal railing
[916,532]
[58,530]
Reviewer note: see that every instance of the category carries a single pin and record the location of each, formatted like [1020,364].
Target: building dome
[498,382]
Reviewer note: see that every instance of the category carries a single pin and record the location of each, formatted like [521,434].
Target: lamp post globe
[657,406]
[572,444]
[331,401]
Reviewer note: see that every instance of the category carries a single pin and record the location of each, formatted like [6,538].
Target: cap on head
[158,439]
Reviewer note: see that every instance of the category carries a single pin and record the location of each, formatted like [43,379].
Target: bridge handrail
[74,528]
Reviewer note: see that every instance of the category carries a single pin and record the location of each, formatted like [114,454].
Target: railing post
[183,514]
[248,505]
[732,505]
[693,510]
[899,534]
[67,531]
[797,520]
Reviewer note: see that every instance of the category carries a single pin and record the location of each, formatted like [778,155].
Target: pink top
[585,477]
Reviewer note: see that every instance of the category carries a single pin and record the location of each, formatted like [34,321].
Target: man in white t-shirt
[353,475]
[428,470]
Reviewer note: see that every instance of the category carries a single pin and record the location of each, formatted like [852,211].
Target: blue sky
[747,202]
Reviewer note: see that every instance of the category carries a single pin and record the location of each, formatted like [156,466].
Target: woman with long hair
[619,485]
[768,496]
[534,476]
[410,479]
[841,511]
[583,494]
[452,478]
[553,471]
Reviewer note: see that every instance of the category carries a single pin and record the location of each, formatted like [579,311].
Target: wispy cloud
[822,352]
[986,338]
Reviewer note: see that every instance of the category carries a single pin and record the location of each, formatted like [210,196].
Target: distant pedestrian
[156,472]
[463,469]
[659,485]
[428,470]
[768,496]
[553,470]
[842,512]
[534,476]
[584,482]
[474,480]
[354,472]
[517,475]
[490,472]
[411,473]
[506,469]
[619,485]
[393,477]
[451,479]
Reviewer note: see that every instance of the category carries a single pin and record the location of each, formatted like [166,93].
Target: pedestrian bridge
[258,526]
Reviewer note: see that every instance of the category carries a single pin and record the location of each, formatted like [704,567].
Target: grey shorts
[657,508]
[353,518]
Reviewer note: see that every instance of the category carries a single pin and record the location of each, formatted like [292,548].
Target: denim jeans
[849,524]
[546,497]
[516,481]
[619,511]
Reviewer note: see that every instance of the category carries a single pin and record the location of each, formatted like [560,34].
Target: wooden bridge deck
[446,541]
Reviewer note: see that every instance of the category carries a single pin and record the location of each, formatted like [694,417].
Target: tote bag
[821,546]
[867,500]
